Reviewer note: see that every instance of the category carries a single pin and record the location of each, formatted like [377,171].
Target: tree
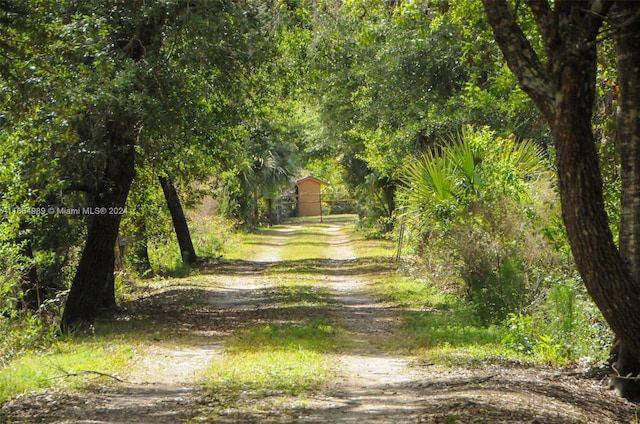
[141,86]
[183,235]
[35,242]
[114,128]
[626,39]
[269,164]
[394,78]
[560,80]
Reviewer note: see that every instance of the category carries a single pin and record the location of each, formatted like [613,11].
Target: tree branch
[546,23]
[87,372]
[520,56]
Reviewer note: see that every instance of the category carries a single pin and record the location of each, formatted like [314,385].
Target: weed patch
[371,248]
[440,328]
[63,365]
[315,336]
[471,356]
[299,295]
[266,373]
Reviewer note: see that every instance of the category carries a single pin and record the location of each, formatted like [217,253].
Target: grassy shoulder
[71,363]
[443,329]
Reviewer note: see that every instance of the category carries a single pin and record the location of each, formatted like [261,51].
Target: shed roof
[311,178]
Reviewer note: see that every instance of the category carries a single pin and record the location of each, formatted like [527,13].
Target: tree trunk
[93,285]
[598,260]
[31,292]
[141,259]
[564,92]
[179,222]
[627,40]
[272,218]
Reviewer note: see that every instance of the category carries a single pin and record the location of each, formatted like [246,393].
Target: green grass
[440,328]
[471,356]
[314,335]
[371,248]
[407,292]
[67,364]
[265,373]
[299,292]
[246,246]
[308,242]
[456,328]
[274,360]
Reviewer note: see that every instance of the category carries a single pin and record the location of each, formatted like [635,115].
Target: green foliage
[21,333]
[11,270]
[456,329]
[496,293]
[560,327]
[211,234]
[166,260]
[439,327]
[431,180]
[564,327]
[472,198]
[383,97]
[266,170]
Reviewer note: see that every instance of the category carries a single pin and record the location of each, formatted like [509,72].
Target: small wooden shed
[309,199]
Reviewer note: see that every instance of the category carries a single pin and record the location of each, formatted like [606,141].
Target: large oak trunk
[92,289]
[564,91]
[604,272]
[627,39]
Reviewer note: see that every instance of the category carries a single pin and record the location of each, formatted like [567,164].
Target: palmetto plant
[473,165]
[464,159]
[267,168]
[470,198]
[429,180]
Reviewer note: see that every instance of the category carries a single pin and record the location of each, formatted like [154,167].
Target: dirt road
[371,383]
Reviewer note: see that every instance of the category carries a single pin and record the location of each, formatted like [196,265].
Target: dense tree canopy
[105,105]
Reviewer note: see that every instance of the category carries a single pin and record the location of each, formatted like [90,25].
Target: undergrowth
[67,364]
[447,330]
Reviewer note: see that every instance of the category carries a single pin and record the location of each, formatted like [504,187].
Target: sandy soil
[371,386]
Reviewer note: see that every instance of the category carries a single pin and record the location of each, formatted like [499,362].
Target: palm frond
[429,179]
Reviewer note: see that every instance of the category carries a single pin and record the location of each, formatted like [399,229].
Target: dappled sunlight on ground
[184,324]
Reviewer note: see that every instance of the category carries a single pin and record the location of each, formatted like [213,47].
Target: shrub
[563,327]
[24,331]
[472,200]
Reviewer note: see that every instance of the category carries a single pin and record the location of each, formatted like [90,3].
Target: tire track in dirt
[371,385]
[163,385]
